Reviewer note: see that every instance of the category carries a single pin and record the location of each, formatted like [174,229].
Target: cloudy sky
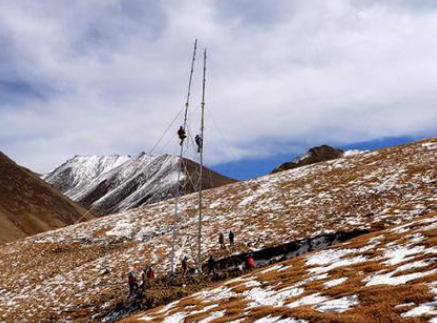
[109,76]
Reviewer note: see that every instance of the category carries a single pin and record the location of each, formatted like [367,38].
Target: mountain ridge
[108,184]
[28,205]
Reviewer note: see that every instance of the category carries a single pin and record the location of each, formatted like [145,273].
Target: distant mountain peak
[313,155]
[108,184]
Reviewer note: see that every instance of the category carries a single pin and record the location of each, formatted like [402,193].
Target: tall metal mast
[177,195]
[202,128]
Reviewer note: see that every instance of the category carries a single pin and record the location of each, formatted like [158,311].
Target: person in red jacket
[250,262]
[150,275]
[132,281]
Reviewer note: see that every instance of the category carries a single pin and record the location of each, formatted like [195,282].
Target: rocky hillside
[312,156]
[389,276]
[29,206]
[109,184]
[79,272]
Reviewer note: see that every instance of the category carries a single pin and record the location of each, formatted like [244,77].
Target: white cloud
[112,74]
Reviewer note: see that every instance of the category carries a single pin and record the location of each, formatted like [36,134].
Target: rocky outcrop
[314,155]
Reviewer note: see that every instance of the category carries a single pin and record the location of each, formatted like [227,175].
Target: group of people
[147,277]
[222,239]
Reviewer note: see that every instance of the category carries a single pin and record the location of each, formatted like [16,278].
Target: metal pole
[202,129]
[175,215]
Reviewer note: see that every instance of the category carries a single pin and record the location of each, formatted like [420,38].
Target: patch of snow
[176,318]
[335,282]
[388,279]
[309,300]
[423,309]
[354,152]
[340,305]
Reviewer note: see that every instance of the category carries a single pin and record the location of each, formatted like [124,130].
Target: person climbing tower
[184,266]
[182,134]
[222,241]
[199,142]
[211,265]
[133,285]
[231,238]
[250,261]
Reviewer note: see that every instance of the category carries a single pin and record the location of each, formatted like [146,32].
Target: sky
[110,77]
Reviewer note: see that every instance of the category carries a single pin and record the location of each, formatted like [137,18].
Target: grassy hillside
[79,272]
[29,206]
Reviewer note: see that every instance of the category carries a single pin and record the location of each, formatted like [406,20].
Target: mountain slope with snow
[79,272]
[109,184]
[388,276]
[29,206]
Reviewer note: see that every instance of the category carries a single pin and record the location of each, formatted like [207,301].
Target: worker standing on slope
[133,285]
[144,278]
[222,241]
[250,261]
[231,238]
[182,134]
[211,265]
[184,266]
[150,275]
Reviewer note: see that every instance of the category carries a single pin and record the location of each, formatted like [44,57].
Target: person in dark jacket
[211,265]
[199,142]
[144,278]
[182,134]
[222,241]
[132,281]
[231,238]
[184,264]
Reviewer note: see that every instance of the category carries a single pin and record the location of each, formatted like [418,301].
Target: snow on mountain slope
[108,184]
[75,175]
[79,272]
[388,276]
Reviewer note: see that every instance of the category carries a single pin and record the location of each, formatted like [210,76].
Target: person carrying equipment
[250,261]
[184,266]
[199,142]
[211,265]
[231,238]
[133,285]
[182,134]
[222,241]
[150,275]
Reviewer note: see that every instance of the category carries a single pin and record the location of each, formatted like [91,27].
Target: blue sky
[108,76]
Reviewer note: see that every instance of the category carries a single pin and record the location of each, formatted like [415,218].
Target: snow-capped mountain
[108,184]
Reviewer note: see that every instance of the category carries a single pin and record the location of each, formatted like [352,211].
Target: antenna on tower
[200,149]
[178,189]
